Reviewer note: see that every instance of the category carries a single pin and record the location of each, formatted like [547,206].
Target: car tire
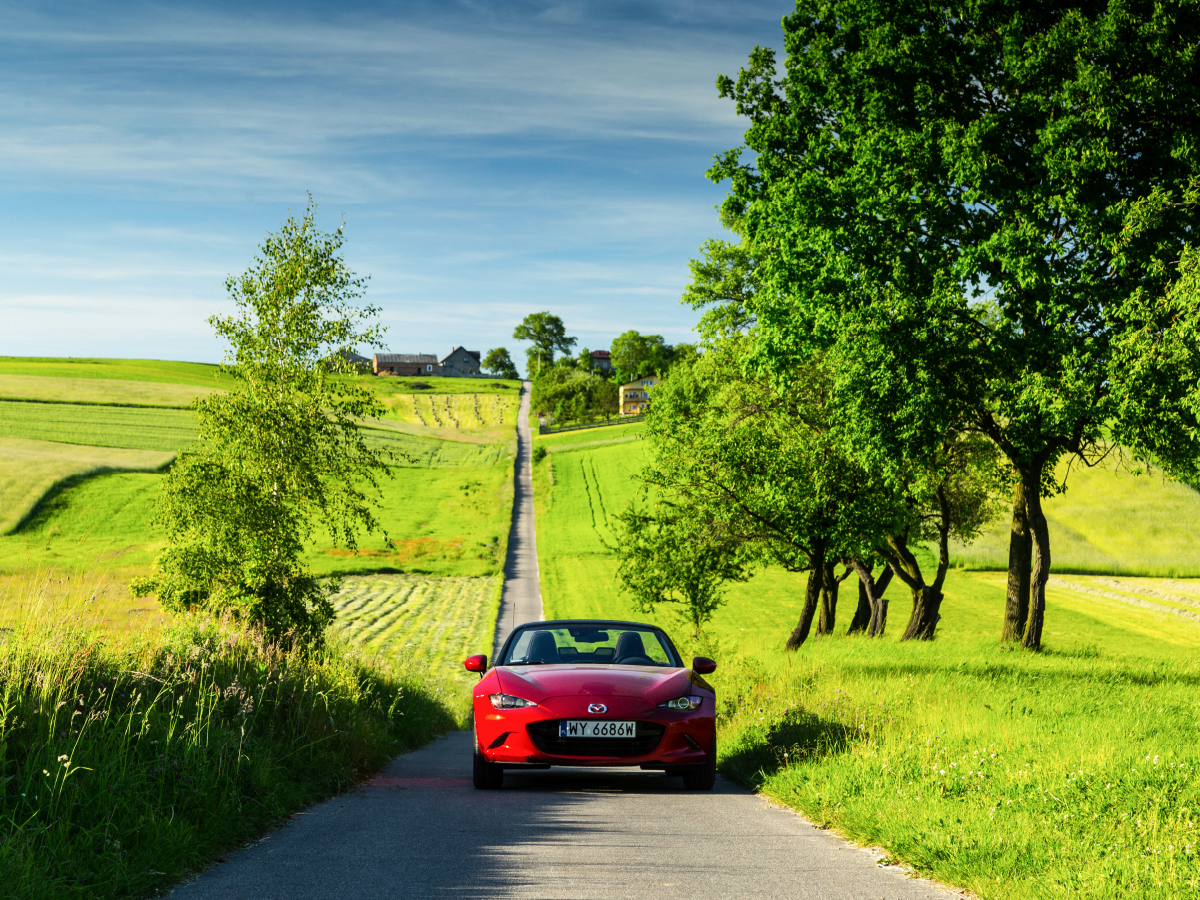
[703,776]
[485,776]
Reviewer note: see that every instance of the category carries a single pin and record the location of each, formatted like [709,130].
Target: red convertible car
[593,693]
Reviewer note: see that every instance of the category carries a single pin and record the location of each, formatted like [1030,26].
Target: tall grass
[125,767]
[1072,774]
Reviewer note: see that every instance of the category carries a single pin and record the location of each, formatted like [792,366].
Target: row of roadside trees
[963,259]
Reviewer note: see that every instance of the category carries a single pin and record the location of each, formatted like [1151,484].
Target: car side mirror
[476,663]
[702,665]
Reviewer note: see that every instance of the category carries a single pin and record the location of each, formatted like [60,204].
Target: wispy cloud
[484,154]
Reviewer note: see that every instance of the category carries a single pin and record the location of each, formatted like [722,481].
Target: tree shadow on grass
[52,503]
[799,737]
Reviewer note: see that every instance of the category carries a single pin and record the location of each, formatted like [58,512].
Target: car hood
[540,683]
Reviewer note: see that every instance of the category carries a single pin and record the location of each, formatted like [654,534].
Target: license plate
[593,728]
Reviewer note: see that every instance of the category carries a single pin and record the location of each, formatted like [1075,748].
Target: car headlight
[683,703]
[508,701]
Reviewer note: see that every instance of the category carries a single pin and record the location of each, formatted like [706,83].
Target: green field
[387,385]
[590,437]
[29,469]
[110,392]
[419,624]
[1070,773]
[1109,521]
[98,426]
[142,370]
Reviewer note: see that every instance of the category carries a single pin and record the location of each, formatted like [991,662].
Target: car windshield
[599,643]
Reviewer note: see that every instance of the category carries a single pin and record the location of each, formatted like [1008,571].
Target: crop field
[1109,522]
[419,450]
[454,412]
[99,426]
[420,624]
[112,392]
[1073,772]
[29,469]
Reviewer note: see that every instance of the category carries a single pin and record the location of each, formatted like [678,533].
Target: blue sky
[490,159]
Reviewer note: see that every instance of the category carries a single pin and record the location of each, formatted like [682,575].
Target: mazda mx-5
[593,693]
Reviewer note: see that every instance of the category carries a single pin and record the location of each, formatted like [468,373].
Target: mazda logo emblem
[597,708]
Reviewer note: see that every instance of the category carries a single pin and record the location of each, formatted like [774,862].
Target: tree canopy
[280,452]
[547,334]
[937,200]
[500,364]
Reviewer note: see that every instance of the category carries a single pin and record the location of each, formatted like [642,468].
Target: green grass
[420,624]
[30,469]
[1109,521]
[152,370]
[436,452]
[123,769]
[111,392]
[1092,790]
[387,385]
[590,437]
[99,426]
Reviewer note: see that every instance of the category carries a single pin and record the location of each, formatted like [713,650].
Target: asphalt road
[522,597]
[420,830]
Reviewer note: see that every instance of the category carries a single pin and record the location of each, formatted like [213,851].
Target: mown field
[419,624]
[1071,773]
[588,437]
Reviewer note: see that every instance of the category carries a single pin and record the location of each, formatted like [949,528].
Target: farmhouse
[405,364]
[602,360]
[635,396]
[461,361]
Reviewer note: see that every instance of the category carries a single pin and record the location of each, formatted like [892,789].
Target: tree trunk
[864,612]
[1032,639]
[871,614]
[816,575]
[1020,550]
[829,597]
[927,602]
[879,614]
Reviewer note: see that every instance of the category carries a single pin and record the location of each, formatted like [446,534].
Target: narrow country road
[522,597]
[420,830]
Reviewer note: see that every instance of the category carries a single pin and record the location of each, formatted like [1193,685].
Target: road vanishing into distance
[420,830]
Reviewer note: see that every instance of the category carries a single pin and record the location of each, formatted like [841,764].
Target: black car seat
[630,646]
[542,648]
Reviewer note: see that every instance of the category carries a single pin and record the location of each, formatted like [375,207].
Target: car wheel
[703,776]
[485,775]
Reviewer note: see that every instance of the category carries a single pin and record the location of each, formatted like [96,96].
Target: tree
[500,364]
[548,335]
[968,170]
[280,452]
[637,355]
[663,559]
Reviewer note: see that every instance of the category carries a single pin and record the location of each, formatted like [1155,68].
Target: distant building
[460,361]
[635,396]
[405,364]
[602,360]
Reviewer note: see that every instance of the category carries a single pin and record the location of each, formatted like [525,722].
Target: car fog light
[682,703]
[508,701]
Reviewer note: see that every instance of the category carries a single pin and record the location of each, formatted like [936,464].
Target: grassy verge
[124,768]
[1072,773]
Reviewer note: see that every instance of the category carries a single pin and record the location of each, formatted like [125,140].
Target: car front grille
[545,737]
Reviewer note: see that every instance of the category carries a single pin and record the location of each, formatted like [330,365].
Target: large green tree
[548,335]
[636,355]
[279,453]
[500,364]
[937,196]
